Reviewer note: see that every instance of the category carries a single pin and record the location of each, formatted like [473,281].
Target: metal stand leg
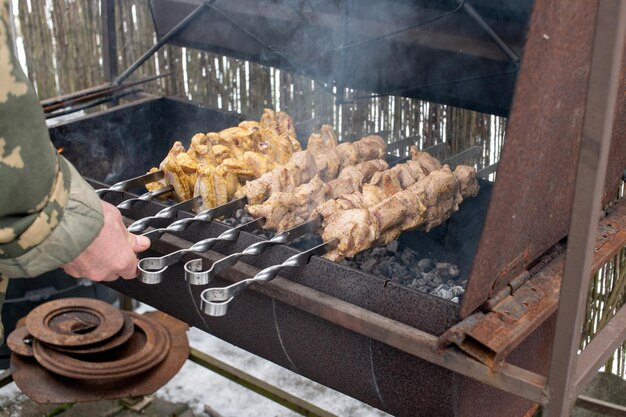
[590,177]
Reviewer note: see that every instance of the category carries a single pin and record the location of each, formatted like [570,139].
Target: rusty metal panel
[617,155]
[530,207]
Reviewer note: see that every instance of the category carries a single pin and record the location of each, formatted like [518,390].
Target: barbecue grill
[401,350]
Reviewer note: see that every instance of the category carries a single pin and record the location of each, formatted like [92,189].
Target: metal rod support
[599,350]
[469,9]
[608,44]
[599,406]
[169,35]
[109,39]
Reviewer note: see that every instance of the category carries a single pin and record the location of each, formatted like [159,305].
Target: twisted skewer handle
[196,276]
[151,269]
[149,196]
[205,216]
[216,301]
[167,213]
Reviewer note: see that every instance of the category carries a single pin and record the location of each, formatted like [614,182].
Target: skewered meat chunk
[180,171]
[223,160]
[348,155]
[287,209]
[426,161]
[323,141]
[322,145]
[212,188]
[280,126]
[288,130]
[301,168]
[424,205]
[466,176]
[367,148]
[156,185]
[306,162]
[355,231]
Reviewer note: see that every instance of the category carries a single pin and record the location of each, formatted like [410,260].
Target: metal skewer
[196,276]
[205,216]
[132,183]
[216,301]
[166,213]
[149,196]
[151,269]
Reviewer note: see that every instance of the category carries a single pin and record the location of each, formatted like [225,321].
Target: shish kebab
[348,225]
[217,163]
[241,150]
[288,212]
[300,168]
[282,178]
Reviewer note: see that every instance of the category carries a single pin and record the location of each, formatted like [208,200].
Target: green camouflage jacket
[48,213]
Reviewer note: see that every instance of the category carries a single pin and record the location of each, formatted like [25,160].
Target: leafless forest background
[61,44]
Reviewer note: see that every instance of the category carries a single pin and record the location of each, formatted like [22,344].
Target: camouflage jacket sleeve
[48,213]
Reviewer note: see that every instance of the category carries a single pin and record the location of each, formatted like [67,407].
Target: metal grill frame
[528,165]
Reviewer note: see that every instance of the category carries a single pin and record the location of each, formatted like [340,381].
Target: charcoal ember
[425,265]
[348,263]
[406,279]
[393,246]
[457,290]
[368,265]
[243,216]
[419,282]
[416,273]
[447,270]
[433,277]
[232,222]
[379,251]
[408,257]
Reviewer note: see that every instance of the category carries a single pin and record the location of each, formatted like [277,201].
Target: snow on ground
[198,386]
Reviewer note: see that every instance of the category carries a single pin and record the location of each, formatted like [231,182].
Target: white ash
[404,266]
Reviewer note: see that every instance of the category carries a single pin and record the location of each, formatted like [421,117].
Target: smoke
[128,140]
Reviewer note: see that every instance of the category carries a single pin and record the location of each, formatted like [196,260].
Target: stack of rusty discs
[88,339]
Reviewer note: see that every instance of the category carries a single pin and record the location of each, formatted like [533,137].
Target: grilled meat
[224,160]
[180,171]
[284,210]
[157,185]
[304,165]
[425,204]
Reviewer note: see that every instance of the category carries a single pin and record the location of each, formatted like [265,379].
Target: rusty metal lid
[50,388]
[147,347]
[74,322]
[120,338]
[20,341]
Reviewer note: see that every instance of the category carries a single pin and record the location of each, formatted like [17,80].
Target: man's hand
[112,253]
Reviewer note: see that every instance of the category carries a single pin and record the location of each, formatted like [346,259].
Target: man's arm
[49,215]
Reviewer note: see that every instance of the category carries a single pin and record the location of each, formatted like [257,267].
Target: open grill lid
[454,52]
[530,207]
